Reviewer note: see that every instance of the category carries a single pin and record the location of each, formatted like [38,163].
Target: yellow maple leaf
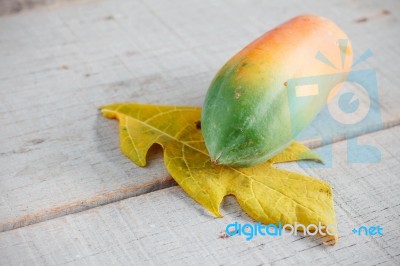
[266,193]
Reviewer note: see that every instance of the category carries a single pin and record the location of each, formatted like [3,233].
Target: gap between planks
[125,193]
[85,204]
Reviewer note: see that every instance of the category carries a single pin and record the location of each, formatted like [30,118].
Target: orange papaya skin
[246,118]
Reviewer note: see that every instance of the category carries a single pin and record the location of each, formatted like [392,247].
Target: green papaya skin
[246,117]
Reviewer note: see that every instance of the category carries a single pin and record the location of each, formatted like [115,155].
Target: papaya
[246,117]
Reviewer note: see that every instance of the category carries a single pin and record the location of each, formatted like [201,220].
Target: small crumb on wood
[361,20]
[110,17]
[223,235]
[63,67]
[384,12]
[198,124]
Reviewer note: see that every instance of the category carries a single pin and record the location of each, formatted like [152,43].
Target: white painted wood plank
[58,156]
[167,227]
[9,7]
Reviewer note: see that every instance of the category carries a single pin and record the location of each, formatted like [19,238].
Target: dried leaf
[266,193]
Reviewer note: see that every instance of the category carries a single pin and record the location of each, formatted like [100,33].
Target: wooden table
[68,195]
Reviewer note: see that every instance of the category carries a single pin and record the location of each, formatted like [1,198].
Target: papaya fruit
[246,117]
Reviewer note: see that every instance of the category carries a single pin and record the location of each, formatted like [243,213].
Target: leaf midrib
[162,132]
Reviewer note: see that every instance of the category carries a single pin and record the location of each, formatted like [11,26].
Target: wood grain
[60,64]
[166,227]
